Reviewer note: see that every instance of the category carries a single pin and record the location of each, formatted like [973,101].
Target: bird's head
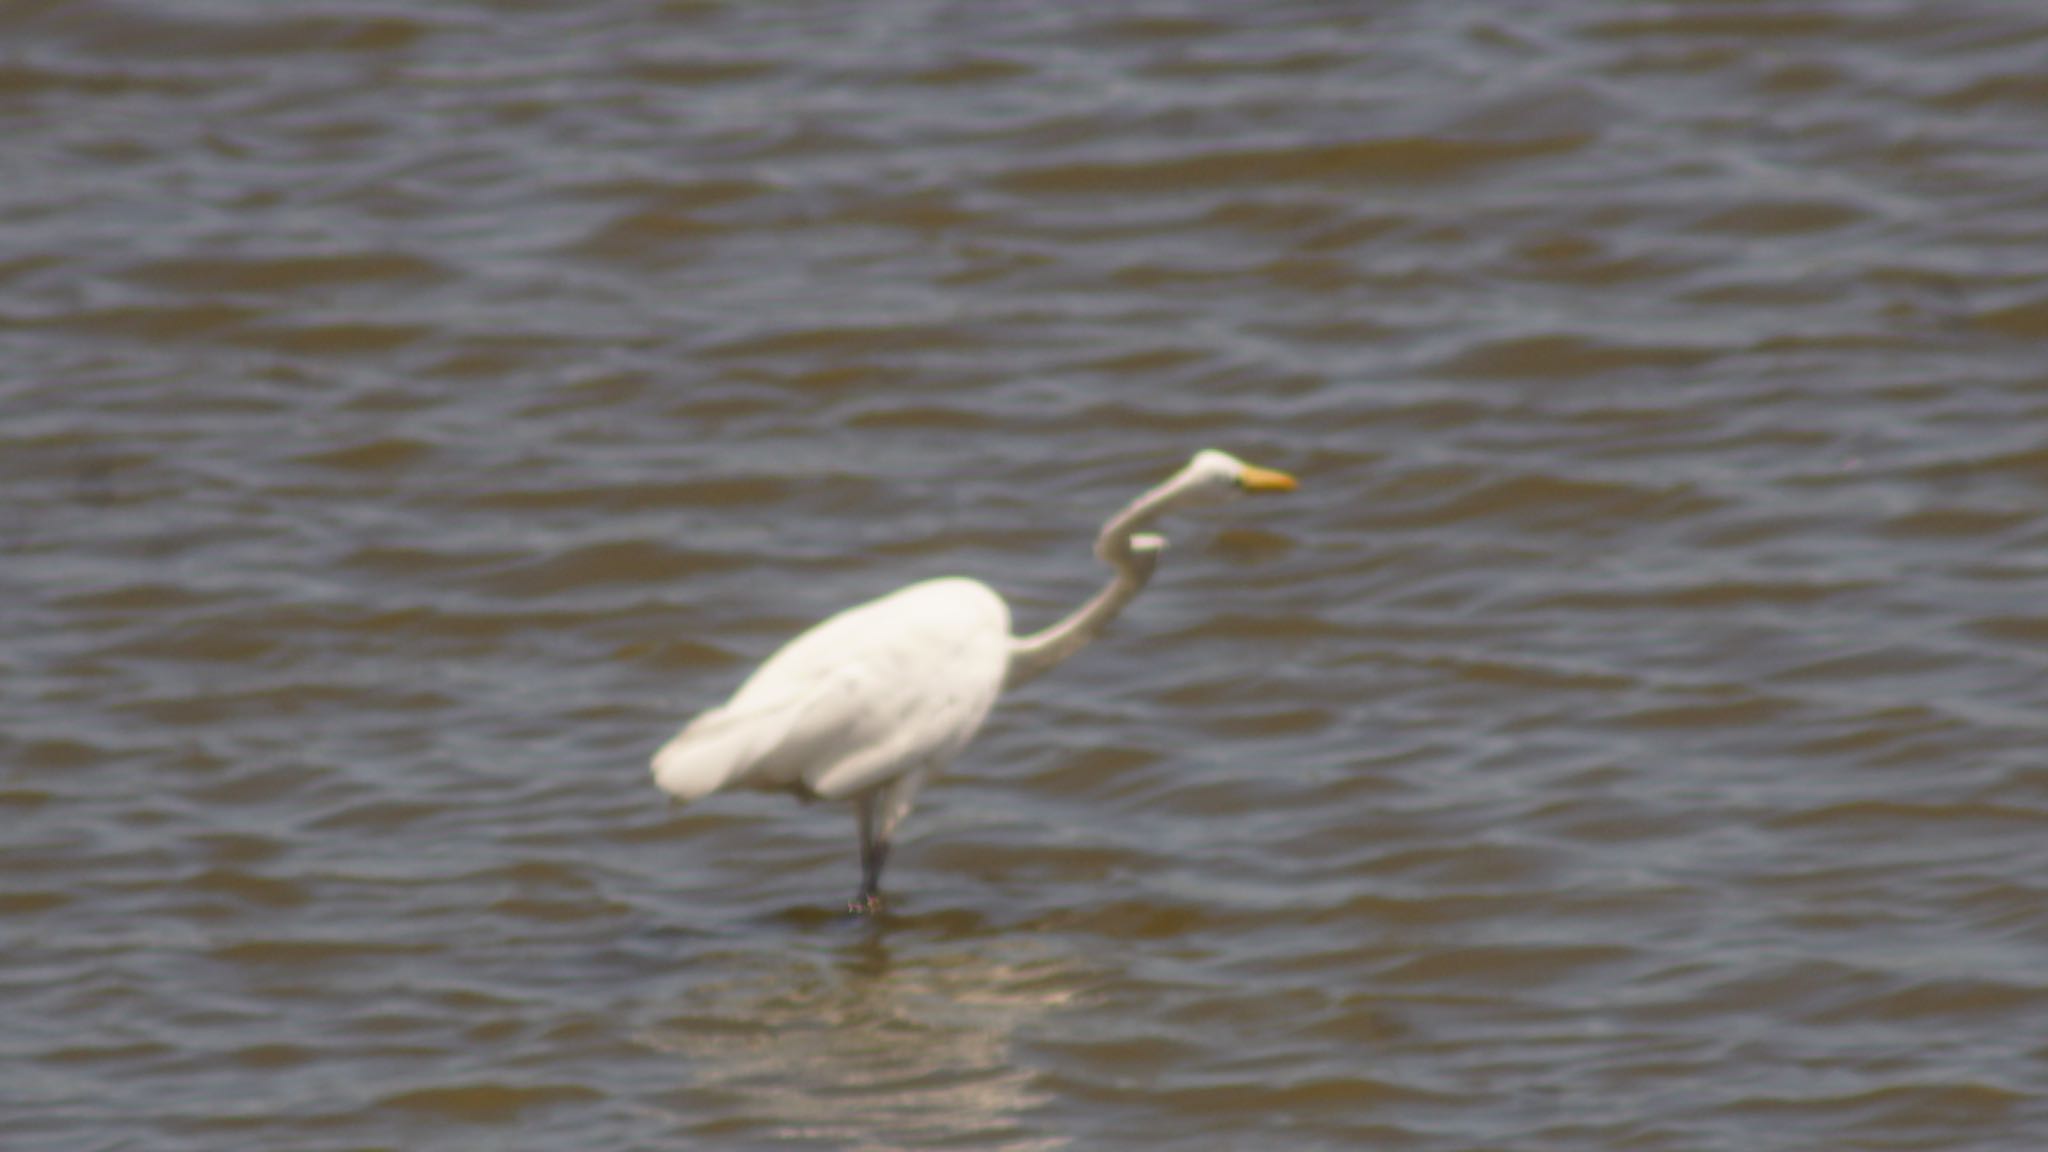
[1214,477]
[1211,478]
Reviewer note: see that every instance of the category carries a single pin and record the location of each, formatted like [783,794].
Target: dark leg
[874,852]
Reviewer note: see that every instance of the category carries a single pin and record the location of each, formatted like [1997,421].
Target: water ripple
[1626,738]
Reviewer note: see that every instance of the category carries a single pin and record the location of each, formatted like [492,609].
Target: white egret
[873,702]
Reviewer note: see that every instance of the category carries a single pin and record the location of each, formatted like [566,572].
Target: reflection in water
[867,1046]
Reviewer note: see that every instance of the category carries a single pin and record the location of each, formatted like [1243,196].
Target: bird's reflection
[882,1038]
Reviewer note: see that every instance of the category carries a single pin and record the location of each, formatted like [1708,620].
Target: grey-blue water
[1629,737]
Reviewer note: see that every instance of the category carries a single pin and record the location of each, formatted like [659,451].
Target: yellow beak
[1265,480]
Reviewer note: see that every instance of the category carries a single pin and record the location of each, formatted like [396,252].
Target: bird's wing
[721,746]
[930,662]
[869,694]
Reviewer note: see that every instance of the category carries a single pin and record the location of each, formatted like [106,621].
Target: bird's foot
[866,904]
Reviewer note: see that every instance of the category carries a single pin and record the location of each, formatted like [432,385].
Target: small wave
[1520,966]
[270,276]
[489,1102]
[149,33]
[1393,160]
[249,888]
[1734,712]
[385,454]
[1943,1110]
[1704,596]
[614,563]
[1566,355]
[1934,1002]
[1876,816]
[308,952]
[332,338]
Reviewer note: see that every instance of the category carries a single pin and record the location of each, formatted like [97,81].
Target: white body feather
[889,689]
[873,702]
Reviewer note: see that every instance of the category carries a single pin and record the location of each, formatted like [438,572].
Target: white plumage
[871,703]
[905,680]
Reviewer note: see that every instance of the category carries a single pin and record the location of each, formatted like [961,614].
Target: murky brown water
[1631,737]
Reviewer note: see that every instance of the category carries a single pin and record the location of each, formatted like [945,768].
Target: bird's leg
[870,899]
[874,852]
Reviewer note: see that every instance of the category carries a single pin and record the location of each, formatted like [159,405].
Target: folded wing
[893,686]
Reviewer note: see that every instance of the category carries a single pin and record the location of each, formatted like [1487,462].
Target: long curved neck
[1034,655]
[1113,543]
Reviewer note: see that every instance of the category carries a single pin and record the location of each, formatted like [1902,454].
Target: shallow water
[1628,738]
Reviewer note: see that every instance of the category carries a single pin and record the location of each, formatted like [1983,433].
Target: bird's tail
[717,749]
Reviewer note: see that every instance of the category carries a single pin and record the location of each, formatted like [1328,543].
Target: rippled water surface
[1630,737]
